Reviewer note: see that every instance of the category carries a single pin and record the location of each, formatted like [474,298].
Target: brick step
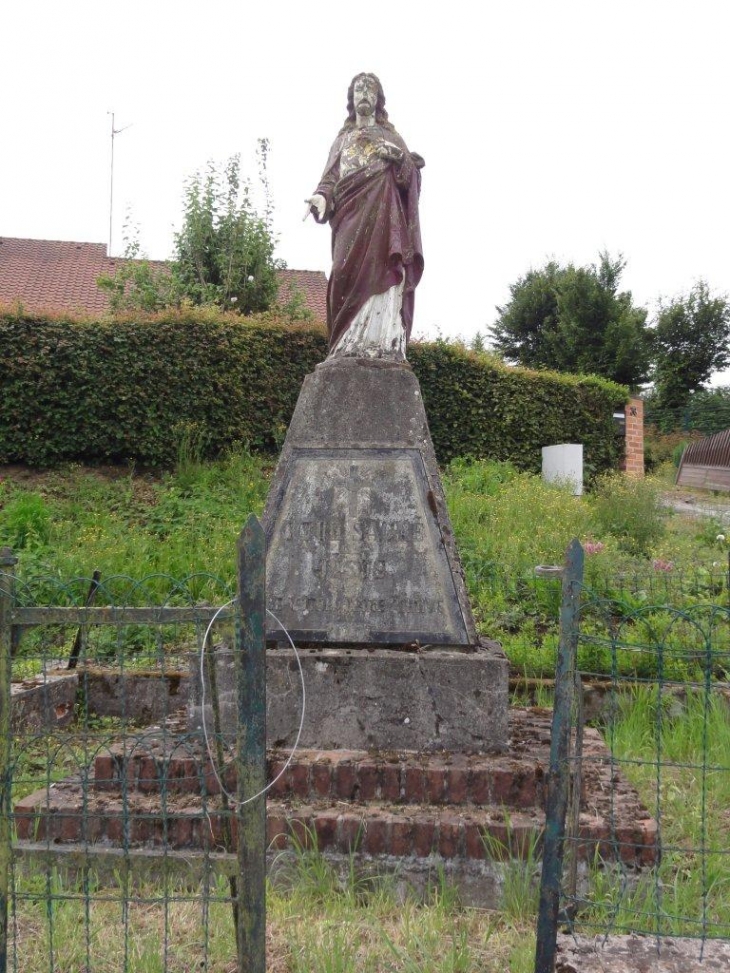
[345,775]
[60,815]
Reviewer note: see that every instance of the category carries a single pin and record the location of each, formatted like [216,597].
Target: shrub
[147,388]
[630,510]
[25,521]
[479,407]
[664,447]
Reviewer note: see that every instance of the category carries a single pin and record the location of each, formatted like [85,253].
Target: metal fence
[707,412]
[130,838]
[665,720]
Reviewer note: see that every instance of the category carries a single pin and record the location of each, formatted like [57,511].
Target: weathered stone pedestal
[383,699]
[360,548]
[364,577]
[363,573]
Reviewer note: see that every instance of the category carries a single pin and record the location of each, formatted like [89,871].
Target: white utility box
[563,464]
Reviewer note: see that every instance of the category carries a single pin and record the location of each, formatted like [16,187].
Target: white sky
[553,128]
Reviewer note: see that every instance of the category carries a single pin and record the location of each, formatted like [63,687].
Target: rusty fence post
[559,774]
[80,640]
[7,603]
[250,674]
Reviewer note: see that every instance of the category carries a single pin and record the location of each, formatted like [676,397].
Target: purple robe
[376,236]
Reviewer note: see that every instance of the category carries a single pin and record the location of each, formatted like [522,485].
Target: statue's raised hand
[317,203]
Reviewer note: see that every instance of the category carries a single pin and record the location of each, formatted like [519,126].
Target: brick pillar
[634,460]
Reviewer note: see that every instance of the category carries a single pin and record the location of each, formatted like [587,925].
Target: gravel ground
[639,954]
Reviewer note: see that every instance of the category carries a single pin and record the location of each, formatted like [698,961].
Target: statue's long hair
[381,115]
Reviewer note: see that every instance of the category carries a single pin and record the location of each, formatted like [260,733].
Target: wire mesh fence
[707,412]
[666,722]
[132,836]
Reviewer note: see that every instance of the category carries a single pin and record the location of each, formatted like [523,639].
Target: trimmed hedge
[135,389]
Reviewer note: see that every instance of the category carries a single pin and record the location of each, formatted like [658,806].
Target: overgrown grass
[508,522]
[675,750]
[333,928]
[71,521]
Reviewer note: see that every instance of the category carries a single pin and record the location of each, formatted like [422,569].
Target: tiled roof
[52,275]
[312,284]
[56,275]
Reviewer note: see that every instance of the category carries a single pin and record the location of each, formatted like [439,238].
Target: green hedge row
[131,389]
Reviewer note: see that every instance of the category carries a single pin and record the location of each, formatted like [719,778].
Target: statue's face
[365,95]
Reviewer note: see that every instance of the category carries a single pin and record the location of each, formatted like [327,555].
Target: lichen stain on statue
[369,195]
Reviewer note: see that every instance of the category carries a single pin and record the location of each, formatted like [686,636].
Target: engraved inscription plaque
[356,553]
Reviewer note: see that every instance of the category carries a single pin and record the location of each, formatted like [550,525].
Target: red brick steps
[159,790]
[344,775]
[417,830]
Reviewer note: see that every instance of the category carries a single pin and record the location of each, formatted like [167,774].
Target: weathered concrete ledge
[142,695]
[378,699]
[43,703]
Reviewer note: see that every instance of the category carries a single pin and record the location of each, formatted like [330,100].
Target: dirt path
[692,505]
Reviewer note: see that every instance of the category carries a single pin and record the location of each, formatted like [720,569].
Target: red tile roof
[312,284]
[56,275]
[53,275]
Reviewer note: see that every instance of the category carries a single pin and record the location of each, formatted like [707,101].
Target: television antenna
[115,132]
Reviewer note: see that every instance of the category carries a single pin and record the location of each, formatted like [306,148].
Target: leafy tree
[575,319]
[224,252]
[691,342]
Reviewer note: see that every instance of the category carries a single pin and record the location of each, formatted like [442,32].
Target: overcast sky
[549,129]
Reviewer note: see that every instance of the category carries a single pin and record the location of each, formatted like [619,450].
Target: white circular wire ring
[283,770]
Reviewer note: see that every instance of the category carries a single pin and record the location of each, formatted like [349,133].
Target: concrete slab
[140,695]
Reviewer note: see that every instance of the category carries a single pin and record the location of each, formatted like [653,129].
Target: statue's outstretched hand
[317,203]
[390,152]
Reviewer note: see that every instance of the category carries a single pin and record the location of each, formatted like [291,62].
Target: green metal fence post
[559,775]
[250,667]
[7,600]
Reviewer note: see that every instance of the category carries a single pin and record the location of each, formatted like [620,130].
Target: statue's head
[367,88]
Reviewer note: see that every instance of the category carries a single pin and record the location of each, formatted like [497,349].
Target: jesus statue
[369,194]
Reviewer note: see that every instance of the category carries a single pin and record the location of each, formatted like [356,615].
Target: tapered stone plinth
[360,548]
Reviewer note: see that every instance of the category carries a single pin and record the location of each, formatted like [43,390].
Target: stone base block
[627,954]
[379,699]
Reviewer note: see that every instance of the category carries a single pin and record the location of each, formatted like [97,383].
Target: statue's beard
[365,108]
